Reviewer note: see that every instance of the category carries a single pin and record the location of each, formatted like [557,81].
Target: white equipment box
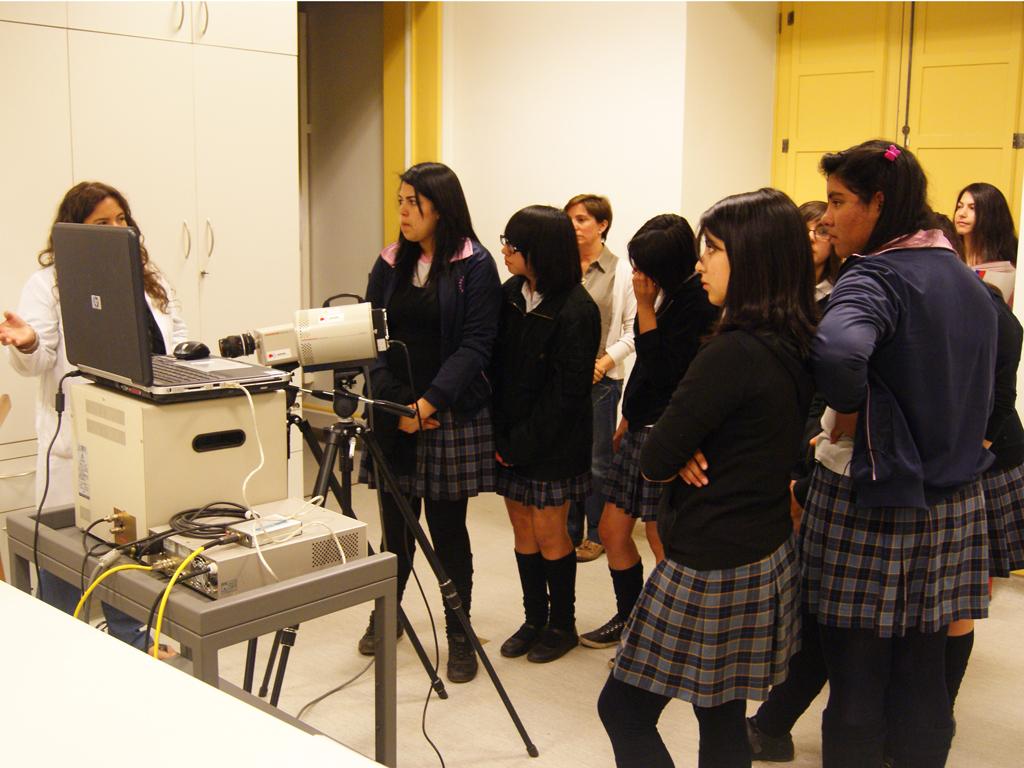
[151,461]
[313,538]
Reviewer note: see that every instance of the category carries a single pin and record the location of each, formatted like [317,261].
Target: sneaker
[605,636]
[521,642]
[462,665]
[366,642]
[553,644]
[771,749]
[588,550]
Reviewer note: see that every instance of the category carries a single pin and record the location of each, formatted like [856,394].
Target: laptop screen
[102,301]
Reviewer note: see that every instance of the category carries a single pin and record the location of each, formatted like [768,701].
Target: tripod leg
[250,664]
[270,664]
[448,592]
[288,635]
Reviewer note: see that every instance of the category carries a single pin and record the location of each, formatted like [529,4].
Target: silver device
[295,537]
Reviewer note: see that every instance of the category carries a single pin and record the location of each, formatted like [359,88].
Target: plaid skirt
[625,487]
[454,461]
[1004,507]
[892,569]
[542,493]
[709,637]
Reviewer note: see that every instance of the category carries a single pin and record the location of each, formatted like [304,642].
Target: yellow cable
[167,593]
[109,572]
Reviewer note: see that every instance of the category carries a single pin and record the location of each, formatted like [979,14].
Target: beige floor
[557,701]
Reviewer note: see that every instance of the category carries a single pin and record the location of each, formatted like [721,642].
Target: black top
[664,353]
[1004,427]
[542,374]
[742,402]
[414,315]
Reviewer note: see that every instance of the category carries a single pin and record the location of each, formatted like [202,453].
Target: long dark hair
[665,250]
[78,203]
[867,169]
[813,210]
[547,240]
[771,272]
[437,183]
[993,237]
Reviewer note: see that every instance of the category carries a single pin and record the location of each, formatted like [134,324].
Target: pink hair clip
[892,153]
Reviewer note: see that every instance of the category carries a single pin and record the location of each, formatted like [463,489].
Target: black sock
[561,577]
[958,652]
[534,582]
[628,583]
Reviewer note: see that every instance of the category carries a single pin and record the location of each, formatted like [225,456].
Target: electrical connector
[108,559]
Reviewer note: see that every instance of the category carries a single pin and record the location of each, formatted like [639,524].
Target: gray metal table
[205,626]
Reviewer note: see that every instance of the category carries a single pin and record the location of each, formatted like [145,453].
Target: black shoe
[366,643]
[553,644]
[521,642]
[604,636]
[771,749]
[462,664]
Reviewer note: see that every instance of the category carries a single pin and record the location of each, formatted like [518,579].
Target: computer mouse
[191,350]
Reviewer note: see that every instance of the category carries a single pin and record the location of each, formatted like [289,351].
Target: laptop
[103,305]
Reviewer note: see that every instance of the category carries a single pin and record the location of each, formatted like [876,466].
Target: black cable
[333,691]
[156,603]
[186,522]
[58,406]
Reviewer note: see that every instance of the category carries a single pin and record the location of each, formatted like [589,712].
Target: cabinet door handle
[188,239]
[17,474]
[181,15]
[205,12]
[209,247]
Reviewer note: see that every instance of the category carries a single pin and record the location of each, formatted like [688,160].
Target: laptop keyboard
[166,371]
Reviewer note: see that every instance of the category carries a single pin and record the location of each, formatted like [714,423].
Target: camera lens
[236,346]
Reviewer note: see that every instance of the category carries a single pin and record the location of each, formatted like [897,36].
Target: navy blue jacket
[908,340]
[470,301]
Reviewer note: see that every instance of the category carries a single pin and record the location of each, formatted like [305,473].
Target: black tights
[449,536]
[630,716]
[877,684]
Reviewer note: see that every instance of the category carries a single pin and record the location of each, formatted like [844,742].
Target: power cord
[58,406]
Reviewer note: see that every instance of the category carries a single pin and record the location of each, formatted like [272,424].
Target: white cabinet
[164,19]
[51,14]
[247,182]
[35,155]
[263,26]
[134,129]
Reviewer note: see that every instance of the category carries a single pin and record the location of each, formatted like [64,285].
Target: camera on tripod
[324,338]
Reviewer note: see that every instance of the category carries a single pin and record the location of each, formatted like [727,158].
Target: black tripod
[342,434]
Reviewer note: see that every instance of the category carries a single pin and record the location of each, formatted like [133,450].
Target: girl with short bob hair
[673,315]
[718,618]
[542,373]
[441,289]
[894,552]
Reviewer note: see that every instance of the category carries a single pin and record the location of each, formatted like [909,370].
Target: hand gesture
[693,471]
[14,330]
[646,290]
[412,424]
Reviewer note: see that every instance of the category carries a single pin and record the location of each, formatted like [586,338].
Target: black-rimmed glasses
[505,241]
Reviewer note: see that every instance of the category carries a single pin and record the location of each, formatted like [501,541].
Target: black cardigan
[542,374]
[743,402]
[1004,427]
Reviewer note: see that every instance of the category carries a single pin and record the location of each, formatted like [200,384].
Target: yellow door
[965,97]
[841,64]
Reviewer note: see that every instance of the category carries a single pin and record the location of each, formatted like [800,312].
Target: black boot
[559,637]
[462,664]
[366,642]
[535,604]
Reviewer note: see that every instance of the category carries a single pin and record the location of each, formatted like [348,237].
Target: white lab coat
[40,308]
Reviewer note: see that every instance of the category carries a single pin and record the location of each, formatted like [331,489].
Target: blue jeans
[65,597]
[605,396]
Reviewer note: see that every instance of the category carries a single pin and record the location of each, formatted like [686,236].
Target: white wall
[547,100]
[730,95]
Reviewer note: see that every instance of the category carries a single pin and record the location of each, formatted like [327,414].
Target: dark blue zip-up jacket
[470,301]
[908,341]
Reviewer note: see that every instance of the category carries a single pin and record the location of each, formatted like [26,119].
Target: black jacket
[542,374]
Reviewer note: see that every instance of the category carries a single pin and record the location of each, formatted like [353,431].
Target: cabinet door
[35,155]
[50,14]
[247,185]
[131,107]
[164,20]
[260,26]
